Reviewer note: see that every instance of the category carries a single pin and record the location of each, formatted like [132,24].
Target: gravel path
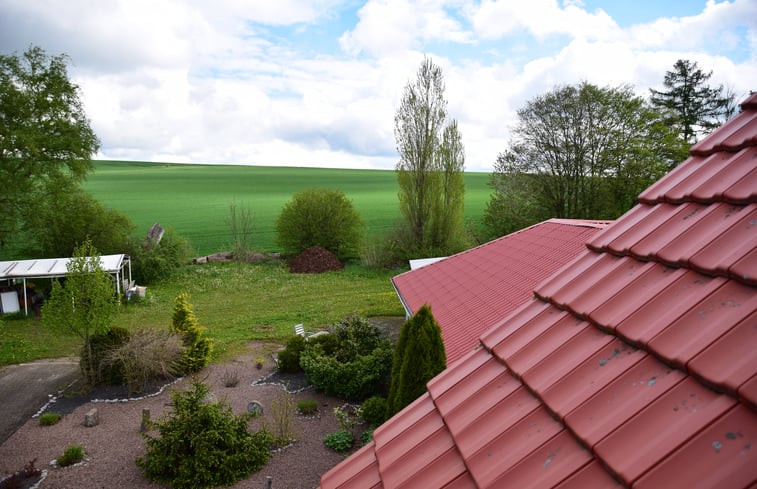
[112,446]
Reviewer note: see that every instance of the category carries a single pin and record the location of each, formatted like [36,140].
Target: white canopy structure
[116,265]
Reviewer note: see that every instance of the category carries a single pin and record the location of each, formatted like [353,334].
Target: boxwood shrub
[353,362]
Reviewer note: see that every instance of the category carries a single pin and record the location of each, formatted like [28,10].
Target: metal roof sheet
[635,363]
[52,267]
[470,291]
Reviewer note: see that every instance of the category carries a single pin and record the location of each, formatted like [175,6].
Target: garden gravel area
[112,446]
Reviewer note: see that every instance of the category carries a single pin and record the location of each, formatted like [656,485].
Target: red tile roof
[472,290]
[635,366]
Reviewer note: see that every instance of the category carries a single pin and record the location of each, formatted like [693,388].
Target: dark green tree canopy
[579,151]
[71,217]
[45,137]
[690,104]
[320,217]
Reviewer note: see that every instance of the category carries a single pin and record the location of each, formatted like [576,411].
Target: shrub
[390,250]
[373,411]
[202,444]
[346,421]
[49,419]
[281,413]
[339,441]
[307,407]
[419,357]
[148,355]
[155,261]
[230,378]
[289,358]
[320,217]
[73,454]
[197,346]
[72,216]
[101,345]
[353,362]
[366,437]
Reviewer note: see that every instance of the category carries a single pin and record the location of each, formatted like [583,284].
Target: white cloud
[192,81]
[495,19]
[390,26]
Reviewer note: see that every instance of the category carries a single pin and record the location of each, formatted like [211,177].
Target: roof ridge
[592,223]
[671,235]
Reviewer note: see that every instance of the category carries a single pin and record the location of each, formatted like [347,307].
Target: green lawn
[194,199]
[237,303]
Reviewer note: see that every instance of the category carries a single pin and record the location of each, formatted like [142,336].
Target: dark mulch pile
[315,260]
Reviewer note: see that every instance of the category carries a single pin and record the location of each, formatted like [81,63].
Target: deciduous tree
[86,302]
[72,216]
[45,137]
[581,152]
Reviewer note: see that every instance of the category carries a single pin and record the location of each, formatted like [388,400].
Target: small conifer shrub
[197,347]
[202,444]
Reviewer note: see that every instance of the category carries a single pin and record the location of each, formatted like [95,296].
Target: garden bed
[112,446]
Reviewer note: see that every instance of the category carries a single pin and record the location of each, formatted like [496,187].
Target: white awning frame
[115,265]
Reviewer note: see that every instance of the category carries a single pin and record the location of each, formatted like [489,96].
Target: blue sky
[317,82]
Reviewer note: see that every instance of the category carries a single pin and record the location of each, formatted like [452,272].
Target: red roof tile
[470,291]
[591,475]
[658,430]
[636,363]
[724,454]
[730,361]
[622,399]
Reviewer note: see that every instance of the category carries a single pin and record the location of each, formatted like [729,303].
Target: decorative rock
[92,418]
[255,408]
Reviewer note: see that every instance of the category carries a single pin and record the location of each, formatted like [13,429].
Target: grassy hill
[194,199]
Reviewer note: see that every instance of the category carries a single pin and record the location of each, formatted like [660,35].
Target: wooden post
[145,420]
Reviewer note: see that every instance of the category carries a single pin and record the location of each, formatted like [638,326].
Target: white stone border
[54,398]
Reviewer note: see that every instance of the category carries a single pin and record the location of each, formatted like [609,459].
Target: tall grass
[195,200]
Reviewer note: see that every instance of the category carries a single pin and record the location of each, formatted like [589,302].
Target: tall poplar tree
[432,160]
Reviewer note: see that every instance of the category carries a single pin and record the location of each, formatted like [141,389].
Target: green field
[194,200]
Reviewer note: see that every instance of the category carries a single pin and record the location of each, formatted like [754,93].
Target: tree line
[577,151]
[586,152]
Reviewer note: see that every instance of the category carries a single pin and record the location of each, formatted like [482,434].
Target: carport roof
[52,267]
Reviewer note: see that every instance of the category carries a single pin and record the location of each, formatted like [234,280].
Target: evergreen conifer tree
[418,358]
[197,346]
